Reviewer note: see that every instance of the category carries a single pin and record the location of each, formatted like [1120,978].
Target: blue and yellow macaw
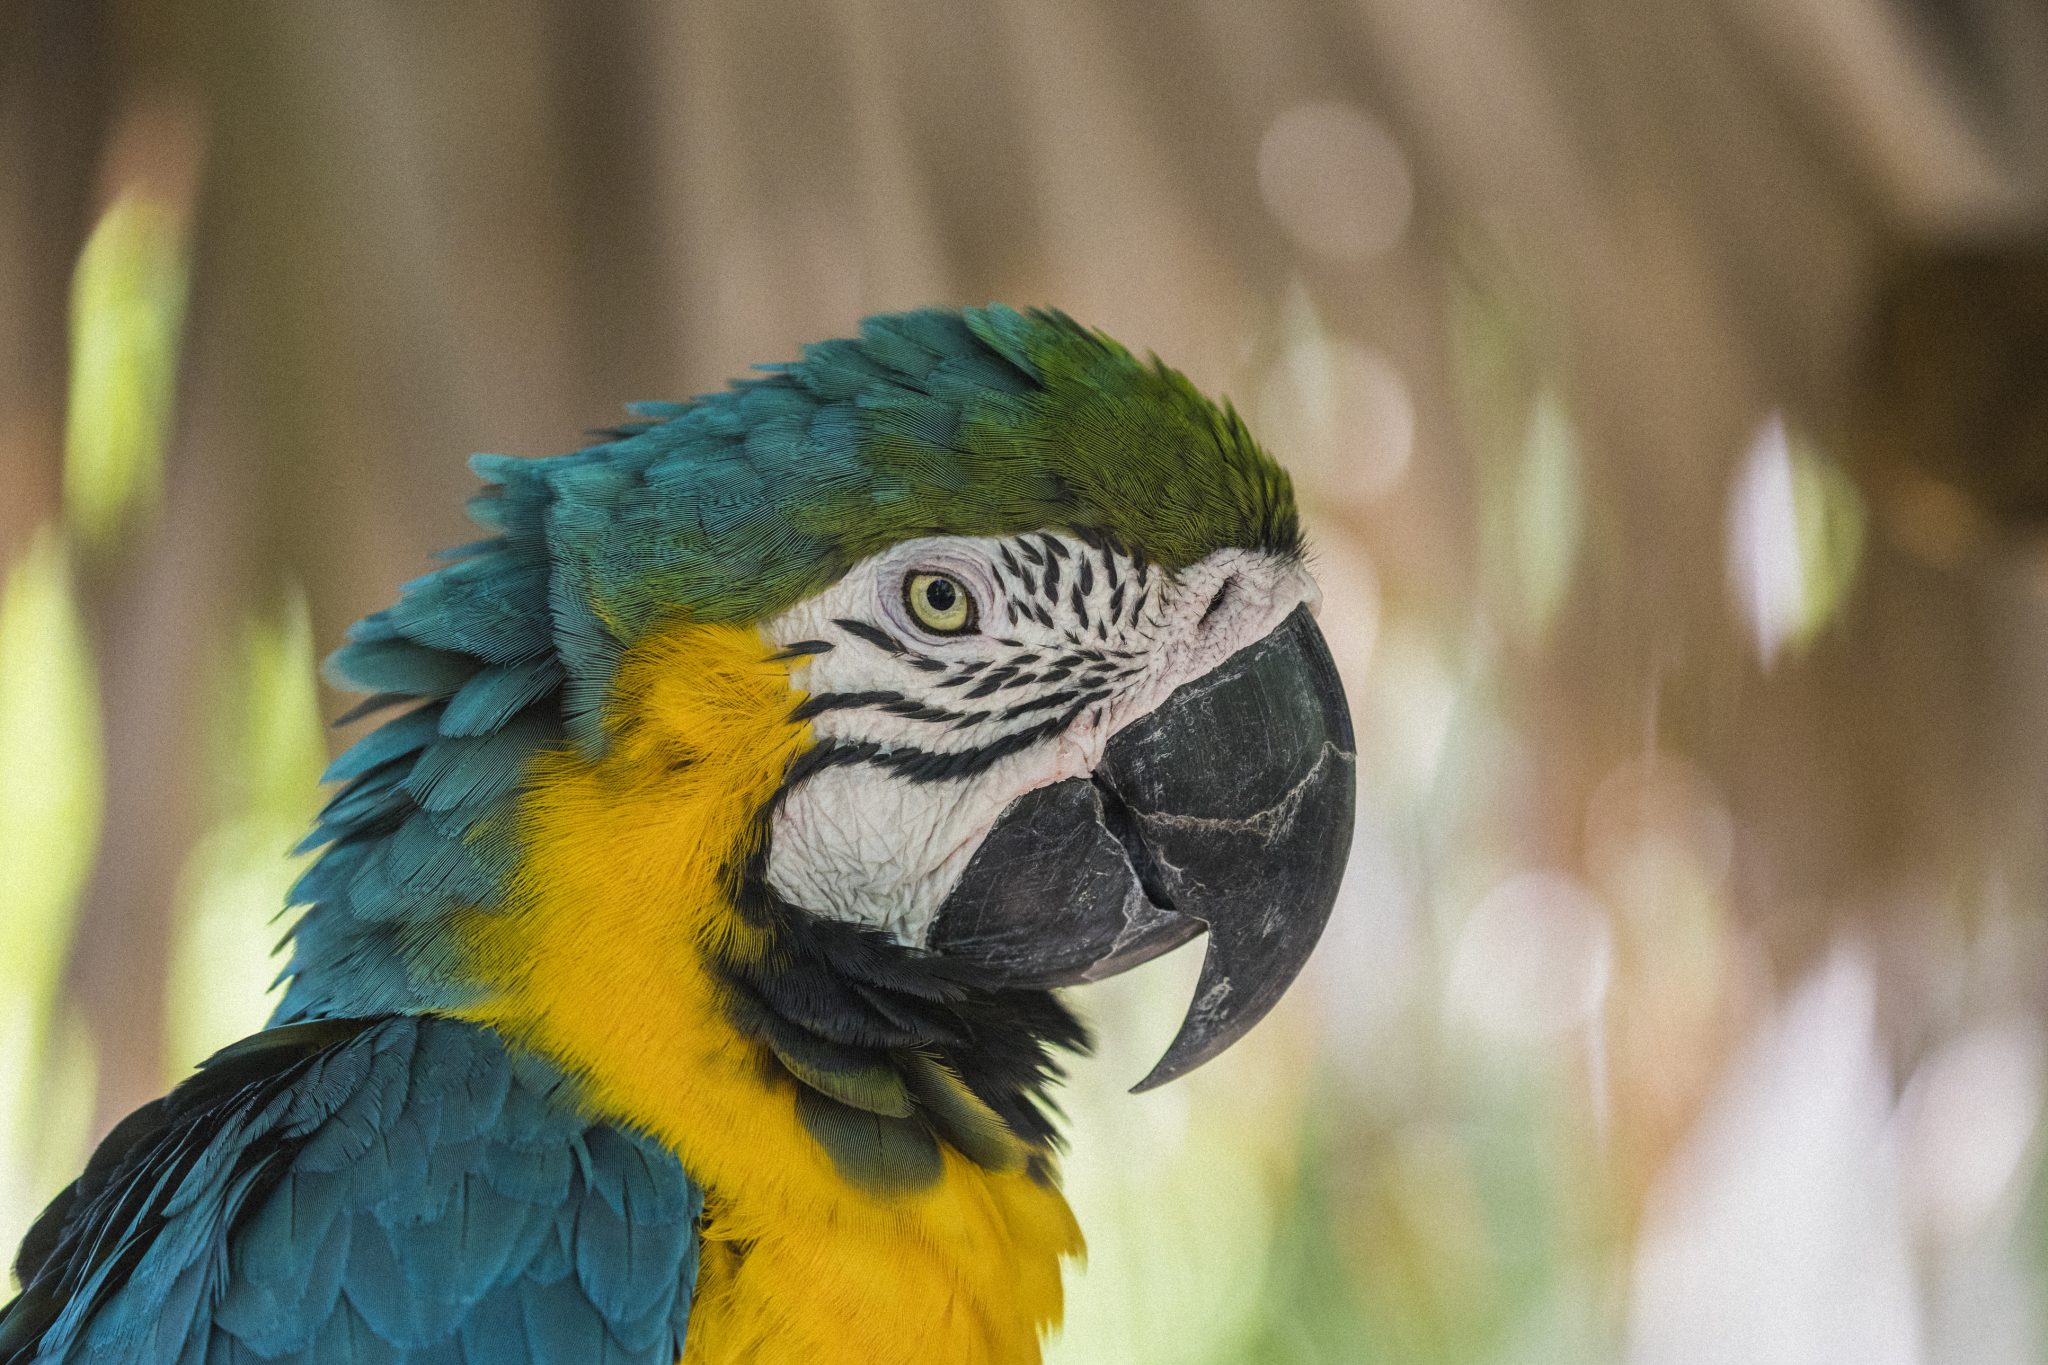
[675,979]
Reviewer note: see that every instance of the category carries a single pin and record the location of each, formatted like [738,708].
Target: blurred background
[1667,383]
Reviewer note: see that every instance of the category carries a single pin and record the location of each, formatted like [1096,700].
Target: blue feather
[394,739]
[495,695]
[398,665]
[408,1191]
[477,770]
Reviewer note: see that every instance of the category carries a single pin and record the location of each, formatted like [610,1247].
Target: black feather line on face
[992,680]
[818,703]
[926,766]
[888,644]
[936,715]
[861,630]
[919,765]
[891,703]
[1050,700]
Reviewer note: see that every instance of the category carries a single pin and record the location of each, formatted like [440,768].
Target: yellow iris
[940,603]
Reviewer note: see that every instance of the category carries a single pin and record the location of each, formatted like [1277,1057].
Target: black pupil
[939,595]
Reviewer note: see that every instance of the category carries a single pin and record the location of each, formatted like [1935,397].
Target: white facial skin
[1073,642]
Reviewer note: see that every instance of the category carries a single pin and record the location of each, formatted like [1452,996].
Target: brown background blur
[1667,382]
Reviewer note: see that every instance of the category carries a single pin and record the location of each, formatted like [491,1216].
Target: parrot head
[1048,637]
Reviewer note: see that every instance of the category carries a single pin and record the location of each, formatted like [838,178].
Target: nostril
[1217,602]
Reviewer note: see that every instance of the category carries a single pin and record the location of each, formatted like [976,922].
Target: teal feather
[327,879]
[393,740]
[481,607]
[497,694]
[475,770]
[368,1191]
[420,858]
[402,667]
[376,801]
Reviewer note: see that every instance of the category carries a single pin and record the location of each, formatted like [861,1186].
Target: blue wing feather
[404,1190]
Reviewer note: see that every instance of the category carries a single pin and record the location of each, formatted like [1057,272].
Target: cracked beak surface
[1228,810]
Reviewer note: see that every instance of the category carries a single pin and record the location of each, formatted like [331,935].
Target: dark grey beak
[1228,809]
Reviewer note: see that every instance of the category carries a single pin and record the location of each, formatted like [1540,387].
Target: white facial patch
[926,738]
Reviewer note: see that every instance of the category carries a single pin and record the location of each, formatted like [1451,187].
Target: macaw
[675,979]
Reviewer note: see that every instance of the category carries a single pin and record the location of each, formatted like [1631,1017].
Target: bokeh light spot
[1534,959]
[127,313]
[1342,416]
[1548,517]
[1795,539]
[1966,1122]
[1337,181]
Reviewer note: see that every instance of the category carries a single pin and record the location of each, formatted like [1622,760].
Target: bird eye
[940,603]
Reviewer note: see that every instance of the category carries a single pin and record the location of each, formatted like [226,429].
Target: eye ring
[940,603]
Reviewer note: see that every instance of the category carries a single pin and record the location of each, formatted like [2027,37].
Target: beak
[1227,810]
